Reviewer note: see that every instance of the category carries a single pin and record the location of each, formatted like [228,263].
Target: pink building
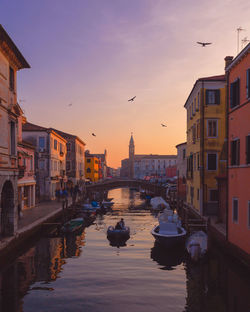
[238,81]
[171,171]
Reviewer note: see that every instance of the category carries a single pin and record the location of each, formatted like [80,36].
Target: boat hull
[169,241]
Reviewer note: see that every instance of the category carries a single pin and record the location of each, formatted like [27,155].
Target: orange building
[238,82]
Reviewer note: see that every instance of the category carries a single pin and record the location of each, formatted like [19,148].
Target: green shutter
[217,96]
[206,97]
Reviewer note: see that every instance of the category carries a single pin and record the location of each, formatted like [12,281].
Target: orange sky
[96,56]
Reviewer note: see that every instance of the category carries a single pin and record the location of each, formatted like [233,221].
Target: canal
[85,273]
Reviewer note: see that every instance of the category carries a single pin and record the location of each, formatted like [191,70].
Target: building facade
[206,133]
[50,159]
[238,80]
[102,171]
[181,164]
[11,60]
[92,165]
[75,158]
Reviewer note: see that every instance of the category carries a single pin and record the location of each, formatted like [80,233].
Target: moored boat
[196,245]
[73,225]
[169,234]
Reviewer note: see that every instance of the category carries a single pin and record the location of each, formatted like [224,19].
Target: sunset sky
[96,54]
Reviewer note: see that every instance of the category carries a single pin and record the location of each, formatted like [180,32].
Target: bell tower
[131,157]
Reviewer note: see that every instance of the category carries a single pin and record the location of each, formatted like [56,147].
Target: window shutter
[238,152]
[217,96]
[231,95]
[206,97]
[231,152]
[238,92]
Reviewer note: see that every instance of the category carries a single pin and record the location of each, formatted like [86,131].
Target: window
[68,147]
[248,149]
[212,97]
[198,129]
[88,170]
[235,93]
[11,81]
[248,83]
[194,105]
[198,101]
[211,161]
[31,163]
[41,143]
[67,165]
[212,128]
[55,165]
[235,152]
[213,195]
[192,108]
[198,161]
[55,145]
[193,133]
[198,194]
[12,138]
[73,165]
[184,154]
[194,161]
[235,210]
[41,164]
[61,148]
[88,160]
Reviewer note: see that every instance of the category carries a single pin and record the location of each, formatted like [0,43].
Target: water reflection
[79,272]
[41,263]
[168,259]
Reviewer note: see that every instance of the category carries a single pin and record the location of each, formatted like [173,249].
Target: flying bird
[93,134]
[70,104]
[163,125]
[132,99]
[204,43]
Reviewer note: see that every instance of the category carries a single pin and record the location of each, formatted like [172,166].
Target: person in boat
[122,223]
[118,226]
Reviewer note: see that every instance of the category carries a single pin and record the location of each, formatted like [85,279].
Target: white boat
[169,232]
[196,245]
[158,203]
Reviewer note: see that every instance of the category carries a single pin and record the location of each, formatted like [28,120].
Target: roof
[151,156]
[239,57]
[32,127]
[26,144]
[181,144]
[68,135]
[4,37]
[204,79]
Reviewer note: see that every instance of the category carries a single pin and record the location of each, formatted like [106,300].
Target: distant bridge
[107,185]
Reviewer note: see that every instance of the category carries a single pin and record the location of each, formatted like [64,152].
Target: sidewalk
[30,222]
[39,211]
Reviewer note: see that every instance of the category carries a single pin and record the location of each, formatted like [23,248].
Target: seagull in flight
[93,134]
[204,44]
[132,99]
[163,125]
[70,104]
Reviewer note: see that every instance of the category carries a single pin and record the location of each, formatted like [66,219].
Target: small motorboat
[73,225]
[169,234]
[158,203]
[92,207]
[117,236]
[196,245]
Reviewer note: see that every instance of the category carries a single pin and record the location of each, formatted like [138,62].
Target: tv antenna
[244,41]
[239,29]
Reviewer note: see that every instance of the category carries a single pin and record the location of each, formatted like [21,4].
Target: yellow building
[206,132]
[92,168]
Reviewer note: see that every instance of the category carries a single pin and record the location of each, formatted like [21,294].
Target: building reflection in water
[41,263]
[219,284]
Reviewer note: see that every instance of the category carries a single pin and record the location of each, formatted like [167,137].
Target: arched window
[88,170]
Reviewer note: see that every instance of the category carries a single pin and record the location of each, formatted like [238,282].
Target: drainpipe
[227,141]
[202,156]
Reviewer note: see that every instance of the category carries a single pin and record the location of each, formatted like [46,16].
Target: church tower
[131,157]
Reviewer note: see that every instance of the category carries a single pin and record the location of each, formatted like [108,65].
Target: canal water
[85,273]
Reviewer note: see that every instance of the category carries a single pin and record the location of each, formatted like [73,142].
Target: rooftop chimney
[228,61]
